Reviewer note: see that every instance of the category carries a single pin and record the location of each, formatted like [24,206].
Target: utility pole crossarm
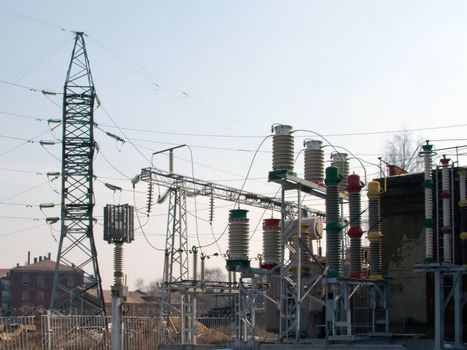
[205,188]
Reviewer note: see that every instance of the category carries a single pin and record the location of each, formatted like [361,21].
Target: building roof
[134,297]
[4,272]
[44,265]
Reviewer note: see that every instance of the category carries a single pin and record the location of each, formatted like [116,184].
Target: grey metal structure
[176,241]
[118,229]
[199,187]
[443,273]
[340,293]
[77,248]
[295,286]
[176,244]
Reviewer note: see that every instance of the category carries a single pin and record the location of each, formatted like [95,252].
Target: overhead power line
[35,20]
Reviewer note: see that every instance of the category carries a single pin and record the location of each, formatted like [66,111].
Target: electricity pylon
[77,281]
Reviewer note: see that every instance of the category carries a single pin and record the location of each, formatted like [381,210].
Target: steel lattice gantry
[77,257]
[177,240]
[176,261]
[179,186]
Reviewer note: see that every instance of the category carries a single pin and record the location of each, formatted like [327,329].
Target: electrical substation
[345,296]
[382,266]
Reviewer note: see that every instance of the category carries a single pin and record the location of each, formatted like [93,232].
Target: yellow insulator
[374,190]
[375,235]
[376,277]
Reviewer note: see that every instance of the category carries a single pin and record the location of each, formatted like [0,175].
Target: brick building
[25,289]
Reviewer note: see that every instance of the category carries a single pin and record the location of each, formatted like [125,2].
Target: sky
[215,75]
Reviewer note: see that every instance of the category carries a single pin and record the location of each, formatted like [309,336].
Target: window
[40,280]
[24,295]
[40,295]
[25,279]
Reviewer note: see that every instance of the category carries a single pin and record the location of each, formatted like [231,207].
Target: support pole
[439,315]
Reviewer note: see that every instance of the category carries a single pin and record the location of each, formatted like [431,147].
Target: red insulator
[271,222]
[359,275]
[445,194]
[444,161]
[269,266]
[353,183]
[446,230]
[355,232]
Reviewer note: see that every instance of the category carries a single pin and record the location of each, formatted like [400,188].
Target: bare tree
[214,274]
[401,150]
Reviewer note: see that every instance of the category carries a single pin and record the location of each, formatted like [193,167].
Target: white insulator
[462,194]
[427,167]
[445,178]
[314,229]
[446,211]
[340,161]
[428,204]
[238,234]
[429,242]
[428,185]
[282,148]
[314,161]
[271,241]
[446,197]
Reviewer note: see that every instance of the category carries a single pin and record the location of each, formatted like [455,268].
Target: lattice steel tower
[77,255]
[176,245]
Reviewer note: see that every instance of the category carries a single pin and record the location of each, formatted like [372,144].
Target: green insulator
[428,184]
[427,147]
[333,227]
[428,223]
[238,213]
[332,176]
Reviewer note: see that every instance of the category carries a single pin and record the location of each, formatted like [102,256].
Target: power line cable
[196,205]
[181,95]
[21,230]
[35,64]
[35,20]
[31,89]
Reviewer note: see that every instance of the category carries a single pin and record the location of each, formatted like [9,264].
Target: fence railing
[22,332]
[82,332]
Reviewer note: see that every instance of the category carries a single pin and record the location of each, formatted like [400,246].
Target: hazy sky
[226,68]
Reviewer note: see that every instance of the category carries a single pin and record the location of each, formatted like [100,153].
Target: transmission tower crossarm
[199,187]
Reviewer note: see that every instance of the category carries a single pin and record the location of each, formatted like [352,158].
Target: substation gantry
[176,269]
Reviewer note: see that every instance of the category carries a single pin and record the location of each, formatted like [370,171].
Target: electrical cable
[31,140]
[32,19]
[261,136]
[22,192]
[43,91]
[35,64]
[141,227]
[180,95]
[196,206]
[357,158]
[21,230]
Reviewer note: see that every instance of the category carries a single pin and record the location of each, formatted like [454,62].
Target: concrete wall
[402,217]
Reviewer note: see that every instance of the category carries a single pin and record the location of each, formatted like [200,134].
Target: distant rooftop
[43,265]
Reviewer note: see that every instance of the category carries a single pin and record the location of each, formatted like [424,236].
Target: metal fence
[80,332]
[22,332]
[74,332]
